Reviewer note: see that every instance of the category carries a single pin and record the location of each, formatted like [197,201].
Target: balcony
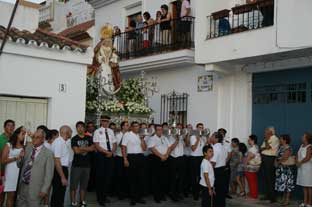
[241,18]
[46,13]
[155,40]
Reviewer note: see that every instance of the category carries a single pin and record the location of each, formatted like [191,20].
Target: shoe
[230,197]
[74,204]
[132,203]
[273,201]
[83,204]
[302,205]
[141,201]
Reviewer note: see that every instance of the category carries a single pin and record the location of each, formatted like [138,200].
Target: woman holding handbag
[284,174]
[252,165]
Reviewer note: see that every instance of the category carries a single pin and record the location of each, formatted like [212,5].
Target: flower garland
[130,100]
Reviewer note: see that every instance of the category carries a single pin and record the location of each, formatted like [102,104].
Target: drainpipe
[9,26]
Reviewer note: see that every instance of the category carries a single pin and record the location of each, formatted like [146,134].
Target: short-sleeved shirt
[161,144]
[119,138]
[3,140]
[185,6]
[179,149]
[274,143]
[206,167]
[133,143]
[83,159]
[100,137]
[219,155]
[199,150]
[61,151]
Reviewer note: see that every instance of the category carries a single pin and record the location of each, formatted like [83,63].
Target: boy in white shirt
[207,177]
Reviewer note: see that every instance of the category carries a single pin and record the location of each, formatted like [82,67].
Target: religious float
[108,94]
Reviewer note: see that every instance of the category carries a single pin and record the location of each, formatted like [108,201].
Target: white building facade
[42,77]
[236,42]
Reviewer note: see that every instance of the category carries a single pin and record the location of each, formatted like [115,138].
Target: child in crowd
[207,177]
[234,163]
[240,179]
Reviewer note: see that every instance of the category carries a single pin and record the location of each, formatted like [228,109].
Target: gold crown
[107,31]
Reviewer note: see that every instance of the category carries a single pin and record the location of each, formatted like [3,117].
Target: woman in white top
[304,163]
[12,152]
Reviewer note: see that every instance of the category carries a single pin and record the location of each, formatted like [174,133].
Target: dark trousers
[268,170]
[187,174]
[58,190]
[121,178]
[136,172]
[160,174]
[206,198]
[195,175]
[220,187]
[103,176]
[227,178]
[176,175]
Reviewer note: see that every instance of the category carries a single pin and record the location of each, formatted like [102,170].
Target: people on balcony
[131,37]
[165,25]
[150,22]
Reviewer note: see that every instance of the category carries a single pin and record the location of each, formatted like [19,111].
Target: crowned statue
[105,62]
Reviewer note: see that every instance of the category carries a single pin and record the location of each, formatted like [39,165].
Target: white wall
[37,77]
[30,23]
[289,32]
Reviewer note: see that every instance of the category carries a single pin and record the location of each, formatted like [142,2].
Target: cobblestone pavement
[236,202]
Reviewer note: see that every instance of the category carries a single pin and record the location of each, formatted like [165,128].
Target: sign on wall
[205,83]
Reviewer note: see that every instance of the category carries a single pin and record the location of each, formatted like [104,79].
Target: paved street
[237,202]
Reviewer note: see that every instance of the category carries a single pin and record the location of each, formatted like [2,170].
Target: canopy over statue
[105,62]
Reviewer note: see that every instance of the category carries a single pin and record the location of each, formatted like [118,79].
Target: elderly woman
[284,175]
[252,164]
[304,163]
[268,154]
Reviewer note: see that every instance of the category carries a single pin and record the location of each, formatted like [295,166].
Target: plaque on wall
[205,83]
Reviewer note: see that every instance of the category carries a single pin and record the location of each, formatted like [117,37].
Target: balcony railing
[46,13]
[241,18]
[155,39]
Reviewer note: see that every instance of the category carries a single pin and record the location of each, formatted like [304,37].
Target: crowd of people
[124,162]
[145,32]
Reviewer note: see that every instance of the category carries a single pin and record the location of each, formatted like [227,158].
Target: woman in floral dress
[285,181]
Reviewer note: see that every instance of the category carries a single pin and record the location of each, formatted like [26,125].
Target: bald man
[37,173]
[61,160]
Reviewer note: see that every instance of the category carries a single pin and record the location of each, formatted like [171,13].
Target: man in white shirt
[133,147]
[197,143]
[219,162]
[61,161]
[160,147]
[228,148]
[105,143]
[120,174]
[176,166]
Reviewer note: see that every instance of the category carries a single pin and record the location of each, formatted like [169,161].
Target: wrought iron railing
[241,18]
[156,39]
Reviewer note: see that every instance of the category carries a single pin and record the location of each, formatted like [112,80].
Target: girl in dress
[304,163]
[284,175]
[12,152]
[240,178]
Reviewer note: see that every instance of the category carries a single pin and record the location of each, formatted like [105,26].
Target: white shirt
[38,150]
[133,143]
[199,150]
[119,138]
[179,149]
[206,167]
[47,145]
[100,137]
[219,155]
[161,144]
[61,151]
[147,152]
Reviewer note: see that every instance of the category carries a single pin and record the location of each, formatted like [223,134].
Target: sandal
[242,194]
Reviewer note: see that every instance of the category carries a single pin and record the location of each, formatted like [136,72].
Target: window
[280,94]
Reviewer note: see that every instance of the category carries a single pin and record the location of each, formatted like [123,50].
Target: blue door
[283,99]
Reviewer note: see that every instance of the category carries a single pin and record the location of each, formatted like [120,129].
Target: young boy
[207,177]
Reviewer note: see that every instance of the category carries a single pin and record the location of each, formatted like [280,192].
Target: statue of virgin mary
[105,62]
